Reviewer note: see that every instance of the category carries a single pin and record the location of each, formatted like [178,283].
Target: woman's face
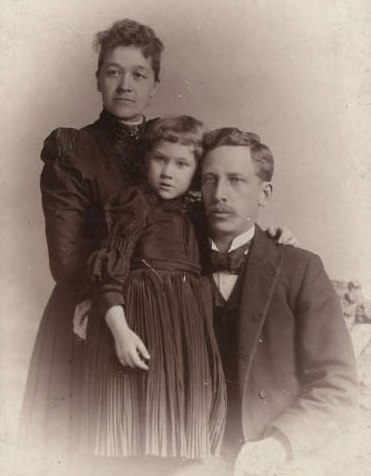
[127,83]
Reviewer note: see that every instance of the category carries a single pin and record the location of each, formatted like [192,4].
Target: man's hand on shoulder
[260,458]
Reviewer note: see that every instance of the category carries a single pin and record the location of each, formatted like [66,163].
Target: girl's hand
[130,349]
[282,235]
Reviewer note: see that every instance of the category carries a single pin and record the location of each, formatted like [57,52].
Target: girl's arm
[130,349]
[109,268]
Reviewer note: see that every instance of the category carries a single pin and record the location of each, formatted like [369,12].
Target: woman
[81,168]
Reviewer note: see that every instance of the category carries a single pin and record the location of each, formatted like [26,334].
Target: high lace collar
[119,129]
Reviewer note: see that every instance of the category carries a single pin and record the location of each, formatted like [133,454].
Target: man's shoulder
[302,273]
[296,253]
[290,254]
[298,259]
[304,270]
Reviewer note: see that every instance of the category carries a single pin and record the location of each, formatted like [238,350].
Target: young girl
[155,383]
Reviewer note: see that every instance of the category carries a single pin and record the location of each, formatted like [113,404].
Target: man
[288,359]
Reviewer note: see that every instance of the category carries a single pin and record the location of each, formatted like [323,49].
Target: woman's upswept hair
[185,130]
[130,33]
[261,155]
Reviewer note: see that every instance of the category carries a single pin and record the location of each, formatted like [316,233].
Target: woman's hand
[80,318]
[282,235]
[130,349]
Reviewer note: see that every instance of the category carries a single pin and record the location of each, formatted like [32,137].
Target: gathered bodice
[81,169]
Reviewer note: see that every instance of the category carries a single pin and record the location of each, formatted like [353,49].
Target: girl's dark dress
[81,168]
[150,264]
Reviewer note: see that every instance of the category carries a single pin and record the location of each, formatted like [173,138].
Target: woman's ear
[99,87]
[154,89]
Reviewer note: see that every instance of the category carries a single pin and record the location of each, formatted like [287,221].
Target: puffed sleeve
[65,198]
[126,216]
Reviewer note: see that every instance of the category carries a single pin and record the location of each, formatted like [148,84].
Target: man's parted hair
[130,33]
[261,155]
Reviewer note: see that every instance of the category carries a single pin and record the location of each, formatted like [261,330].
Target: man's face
[231,191]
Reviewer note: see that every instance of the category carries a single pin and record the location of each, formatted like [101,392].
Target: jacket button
[262,394]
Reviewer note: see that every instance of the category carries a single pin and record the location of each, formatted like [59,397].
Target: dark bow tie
[231,262]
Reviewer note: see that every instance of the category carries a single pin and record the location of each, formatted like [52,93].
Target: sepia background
[298,73]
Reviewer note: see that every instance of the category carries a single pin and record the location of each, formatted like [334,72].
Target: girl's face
[171,168]
[127,83]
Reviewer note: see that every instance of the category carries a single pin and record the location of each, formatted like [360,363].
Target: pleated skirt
[50,417]
[176,408]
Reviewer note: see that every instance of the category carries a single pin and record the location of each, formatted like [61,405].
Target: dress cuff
[108,299]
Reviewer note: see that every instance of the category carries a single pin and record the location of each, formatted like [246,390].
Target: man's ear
[265,193]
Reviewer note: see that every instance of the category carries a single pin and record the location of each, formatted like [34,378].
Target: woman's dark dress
[81,168]
[177,408]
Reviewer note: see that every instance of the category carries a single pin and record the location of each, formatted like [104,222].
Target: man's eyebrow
[236,174]
[182,157]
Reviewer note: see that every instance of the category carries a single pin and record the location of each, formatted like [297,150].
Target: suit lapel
[260,277]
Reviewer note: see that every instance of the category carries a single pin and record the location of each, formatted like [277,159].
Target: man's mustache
[220,209]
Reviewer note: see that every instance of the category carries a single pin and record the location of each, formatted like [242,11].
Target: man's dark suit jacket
[296,368]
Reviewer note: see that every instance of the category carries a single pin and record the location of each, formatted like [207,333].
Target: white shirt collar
[240,240]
